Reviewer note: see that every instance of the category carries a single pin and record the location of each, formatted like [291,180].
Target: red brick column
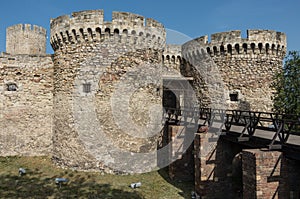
[264,174]
[182,166]
[213,167]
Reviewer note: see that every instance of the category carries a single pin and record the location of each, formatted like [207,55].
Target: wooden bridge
[268,143]
[261,129]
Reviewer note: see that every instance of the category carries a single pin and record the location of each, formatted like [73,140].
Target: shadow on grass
[33,187]
[185,187]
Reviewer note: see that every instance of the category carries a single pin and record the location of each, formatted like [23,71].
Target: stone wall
[126,28]
[110,120]
[26,111]
[26,39]
[244,67]
[172,59]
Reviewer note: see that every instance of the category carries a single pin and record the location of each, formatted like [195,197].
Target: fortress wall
[172,58]
[90,26]
[26,39]
[246,66]
[86,132]
[26,114]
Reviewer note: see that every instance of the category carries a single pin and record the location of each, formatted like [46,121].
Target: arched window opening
[90,32]
[277,50]
[116,31]
[273,48]
[237,48]
[208,50]
[125,31]
[74,34]
[260,46]
[282,48]
[62,36]
[81,32]
[173,59]
[229,49]
[141,34]
[245,48]
[253,47]
[215,50]
[133,32]
[168,57]
[68,35]
[222,50]
[267,48]
[107,30]
[98,30]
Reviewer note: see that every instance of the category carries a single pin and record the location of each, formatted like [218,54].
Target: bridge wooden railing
[283,125]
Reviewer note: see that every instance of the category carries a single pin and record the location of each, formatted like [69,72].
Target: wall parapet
[231,43]
[89,26]
[26,39]
[172,54]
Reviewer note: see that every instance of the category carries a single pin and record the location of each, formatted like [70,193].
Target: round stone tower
[26,39]
[104,89]
[244,67]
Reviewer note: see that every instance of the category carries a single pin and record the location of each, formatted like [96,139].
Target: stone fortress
[51,103]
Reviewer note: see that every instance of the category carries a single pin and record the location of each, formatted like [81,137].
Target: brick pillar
[213,167]
[181,148]
[264,174]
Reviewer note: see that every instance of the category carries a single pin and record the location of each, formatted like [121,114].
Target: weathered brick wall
[26,113]
[269,174]
[180,153]
[215,170]
[264,175]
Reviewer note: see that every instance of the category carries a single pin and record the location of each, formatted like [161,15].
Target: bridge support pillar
[181,153]
[214,167]
[265,174]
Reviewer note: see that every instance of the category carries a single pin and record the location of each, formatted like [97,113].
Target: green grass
[40,174]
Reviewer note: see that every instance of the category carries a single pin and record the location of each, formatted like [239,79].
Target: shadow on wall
[185,181]
[244,105]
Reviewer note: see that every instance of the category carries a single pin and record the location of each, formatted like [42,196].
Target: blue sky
[193,18]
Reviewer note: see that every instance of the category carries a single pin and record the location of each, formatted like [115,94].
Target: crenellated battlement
[89,26]
[172,54]
[26,39]
[27,28]
[257,42]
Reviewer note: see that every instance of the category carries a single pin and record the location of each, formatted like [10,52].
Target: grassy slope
[39,182]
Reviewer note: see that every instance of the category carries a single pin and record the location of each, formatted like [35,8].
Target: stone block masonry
[26,108]
[246,67]
[26,39]
[56,104]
